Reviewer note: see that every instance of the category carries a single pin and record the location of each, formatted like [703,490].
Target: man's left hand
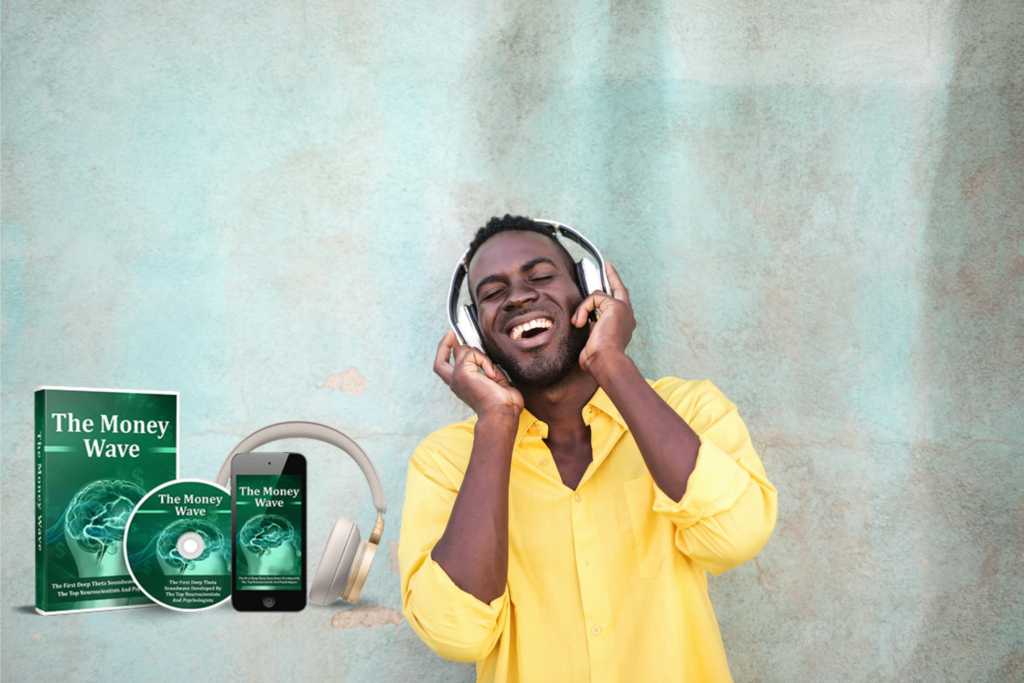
[610,335]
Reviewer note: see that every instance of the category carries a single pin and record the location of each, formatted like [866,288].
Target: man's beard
[544,373]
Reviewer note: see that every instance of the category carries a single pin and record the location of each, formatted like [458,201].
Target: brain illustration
[214,542]
[263,533]
[98,513]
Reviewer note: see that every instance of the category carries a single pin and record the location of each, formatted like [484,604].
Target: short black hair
[496,226]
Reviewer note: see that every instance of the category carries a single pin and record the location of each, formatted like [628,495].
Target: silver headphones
[346,562]
[589,277]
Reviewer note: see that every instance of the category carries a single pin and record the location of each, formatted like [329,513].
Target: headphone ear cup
[332,574]
[589,277]
[468,326]
[360,570]
[581,280]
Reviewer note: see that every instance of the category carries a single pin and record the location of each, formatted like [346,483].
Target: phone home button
[268,602]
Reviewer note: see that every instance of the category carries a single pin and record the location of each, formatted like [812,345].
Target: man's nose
[521,293]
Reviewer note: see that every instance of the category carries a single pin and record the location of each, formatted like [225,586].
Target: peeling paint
[366,617]
[348,382]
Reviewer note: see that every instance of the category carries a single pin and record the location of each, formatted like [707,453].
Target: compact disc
[177,545]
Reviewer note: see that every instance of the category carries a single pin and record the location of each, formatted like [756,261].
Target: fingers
[579,318]
[619,290]
[442,365]
[487,366]
[597,299]
[470,358]
[462,374]
[501,379]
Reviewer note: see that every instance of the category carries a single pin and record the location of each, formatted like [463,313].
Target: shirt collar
[601,402]
[527,420]
[598,402]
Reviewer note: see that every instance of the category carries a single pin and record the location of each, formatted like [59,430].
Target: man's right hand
[489,394]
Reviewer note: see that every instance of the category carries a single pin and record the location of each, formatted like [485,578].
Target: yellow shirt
[607,582]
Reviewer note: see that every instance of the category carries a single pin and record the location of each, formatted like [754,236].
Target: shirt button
[596,630]
[578,497]
[535,429]
[543,461]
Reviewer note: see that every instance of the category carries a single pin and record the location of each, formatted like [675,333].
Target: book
[97,453]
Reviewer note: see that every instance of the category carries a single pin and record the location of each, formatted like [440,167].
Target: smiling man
[563,534]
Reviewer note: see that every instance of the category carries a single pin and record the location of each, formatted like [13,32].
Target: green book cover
[98,452]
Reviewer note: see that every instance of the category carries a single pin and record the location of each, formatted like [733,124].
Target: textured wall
[818,205]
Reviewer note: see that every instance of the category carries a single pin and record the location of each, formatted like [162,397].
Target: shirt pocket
[653,534]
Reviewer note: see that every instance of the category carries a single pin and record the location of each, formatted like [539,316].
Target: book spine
[40,520]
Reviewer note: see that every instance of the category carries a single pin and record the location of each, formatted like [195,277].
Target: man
[563,533]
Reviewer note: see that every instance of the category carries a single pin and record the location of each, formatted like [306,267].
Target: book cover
[98,452]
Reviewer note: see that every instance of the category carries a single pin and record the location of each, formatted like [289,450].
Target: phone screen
[269,531]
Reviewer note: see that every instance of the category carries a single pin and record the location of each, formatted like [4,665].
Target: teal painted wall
[818,205]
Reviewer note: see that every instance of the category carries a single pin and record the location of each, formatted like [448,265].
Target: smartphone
[268,528]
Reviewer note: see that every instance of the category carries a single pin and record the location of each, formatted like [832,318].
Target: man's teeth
[518,330]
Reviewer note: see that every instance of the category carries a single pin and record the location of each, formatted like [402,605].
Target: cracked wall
[816,205]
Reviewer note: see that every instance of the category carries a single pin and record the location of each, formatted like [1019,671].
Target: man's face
[525,295]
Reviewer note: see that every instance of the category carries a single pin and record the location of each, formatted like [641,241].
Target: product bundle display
[98,452]
[178,545]
[115,528]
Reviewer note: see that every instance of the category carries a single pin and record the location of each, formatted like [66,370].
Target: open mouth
[531,328]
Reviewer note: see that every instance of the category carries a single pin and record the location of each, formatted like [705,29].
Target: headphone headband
[302,429]
[462,269]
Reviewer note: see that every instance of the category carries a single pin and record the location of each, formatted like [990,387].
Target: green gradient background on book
[85,495]
[269,542]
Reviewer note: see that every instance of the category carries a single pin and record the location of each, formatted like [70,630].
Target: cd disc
[178,545]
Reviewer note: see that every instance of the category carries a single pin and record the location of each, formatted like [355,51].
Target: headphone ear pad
[469,328]
[589,277]
[581,280]
[335,566]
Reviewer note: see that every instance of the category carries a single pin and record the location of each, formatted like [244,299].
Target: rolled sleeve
[455,624]
[729,508]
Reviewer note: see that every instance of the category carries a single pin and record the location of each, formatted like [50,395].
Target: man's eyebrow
[522,269]
[535,262]
[489,278]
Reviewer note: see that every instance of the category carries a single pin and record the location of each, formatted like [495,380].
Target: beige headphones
[346,562]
